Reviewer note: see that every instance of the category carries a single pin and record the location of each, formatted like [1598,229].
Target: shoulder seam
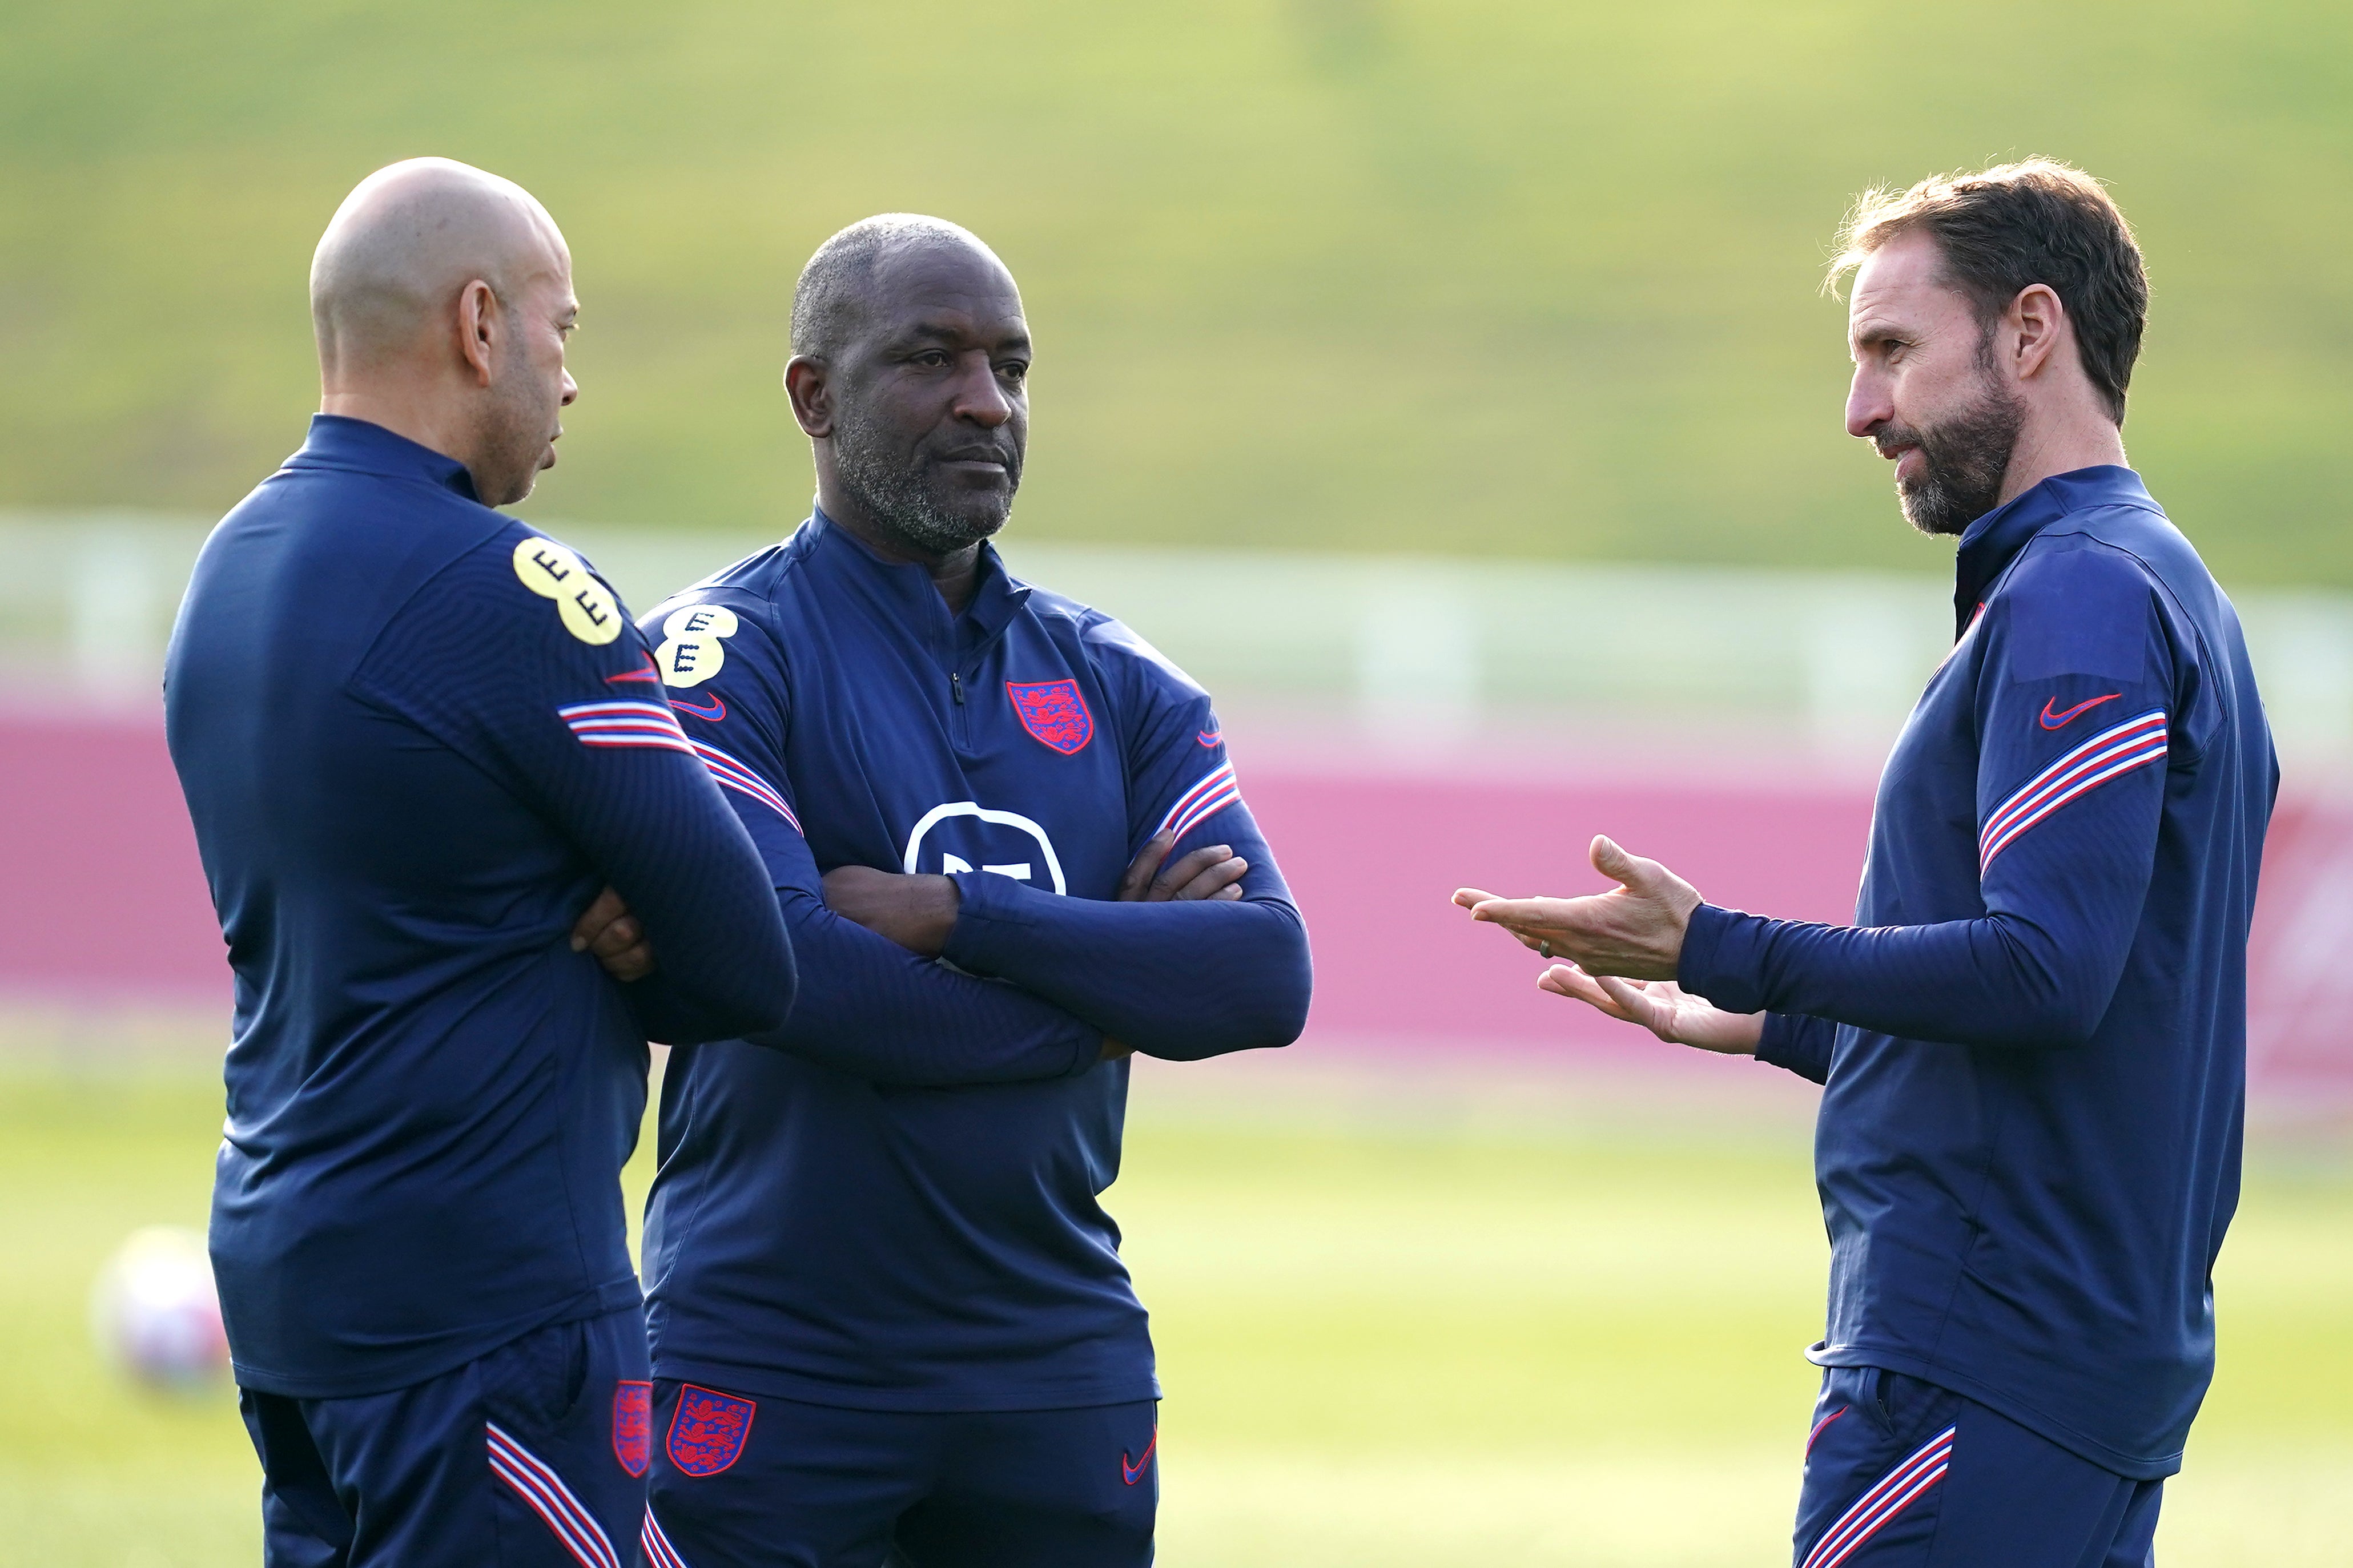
[2156,578]
[758,611]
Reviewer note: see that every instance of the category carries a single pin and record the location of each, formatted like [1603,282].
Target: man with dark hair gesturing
[888,1312]
[417,738]
[2033,1040]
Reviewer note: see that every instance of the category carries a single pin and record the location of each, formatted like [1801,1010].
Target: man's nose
[980,398]
[571,390]
[1868,404]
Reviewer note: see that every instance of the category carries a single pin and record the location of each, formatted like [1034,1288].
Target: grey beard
[893,493]
[1966,458]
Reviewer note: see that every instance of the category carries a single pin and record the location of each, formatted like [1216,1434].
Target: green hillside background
[1486,277]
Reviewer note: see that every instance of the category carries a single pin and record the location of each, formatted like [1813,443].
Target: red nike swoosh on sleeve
[2052,721]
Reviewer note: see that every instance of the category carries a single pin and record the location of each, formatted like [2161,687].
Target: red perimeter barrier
[102,899]
[102,896]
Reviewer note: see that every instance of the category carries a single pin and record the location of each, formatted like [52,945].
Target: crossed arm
[920,913]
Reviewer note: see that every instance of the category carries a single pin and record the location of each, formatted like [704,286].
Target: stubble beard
[1965,457]
[514,437]
[893,490]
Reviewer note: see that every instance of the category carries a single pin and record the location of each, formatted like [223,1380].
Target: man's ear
[2033,329]
[811,390]
[478,327]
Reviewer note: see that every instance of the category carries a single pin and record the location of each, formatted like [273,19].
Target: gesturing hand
[915,911]
[1661,1006]
[1635,929]
[1212,872]
[609,930]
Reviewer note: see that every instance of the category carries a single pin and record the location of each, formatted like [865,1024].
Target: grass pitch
[1388,1339]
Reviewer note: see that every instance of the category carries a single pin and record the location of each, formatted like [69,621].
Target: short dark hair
[2005,228]
[826,299]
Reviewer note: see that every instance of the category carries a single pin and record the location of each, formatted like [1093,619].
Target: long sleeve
[872,1009]
[866,1006]
[554,694]
[1800,1044]
[2076,702]
[1179,981]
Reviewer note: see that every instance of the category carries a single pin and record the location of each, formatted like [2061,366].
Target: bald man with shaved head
[467,865]
[442,297]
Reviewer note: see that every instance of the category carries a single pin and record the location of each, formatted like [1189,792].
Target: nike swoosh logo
[1132,1472]
[2052,721]
[646,672]
[716,711]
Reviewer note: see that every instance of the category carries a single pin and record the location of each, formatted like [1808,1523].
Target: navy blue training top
[899,1209]
[2033,1040]
[416,737]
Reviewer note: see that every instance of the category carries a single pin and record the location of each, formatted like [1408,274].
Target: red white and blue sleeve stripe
[619,722]
[732,774]
[1212,794]
[2135,743]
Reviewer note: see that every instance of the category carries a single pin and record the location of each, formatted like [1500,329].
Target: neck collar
[905,590]
[359,446]
[1991,543]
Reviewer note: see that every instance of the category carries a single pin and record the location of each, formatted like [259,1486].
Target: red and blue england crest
[633,1424]
[707,1433]
[1054,712]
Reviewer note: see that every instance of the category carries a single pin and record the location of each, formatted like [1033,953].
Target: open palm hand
[1661,1006]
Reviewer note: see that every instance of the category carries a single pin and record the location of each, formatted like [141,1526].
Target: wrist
[1683,912]
[939,904]
[1720,958]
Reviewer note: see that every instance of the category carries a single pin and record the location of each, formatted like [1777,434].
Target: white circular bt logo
[995,850]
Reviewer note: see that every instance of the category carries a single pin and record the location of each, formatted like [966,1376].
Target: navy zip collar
[902,591]
[359,446]
[1991,543]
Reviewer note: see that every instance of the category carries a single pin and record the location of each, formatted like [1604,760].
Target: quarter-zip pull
[956,684]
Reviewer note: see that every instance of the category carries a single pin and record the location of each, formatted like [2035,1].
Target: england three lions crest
[708,1429]
[633,1424]
[1054,712]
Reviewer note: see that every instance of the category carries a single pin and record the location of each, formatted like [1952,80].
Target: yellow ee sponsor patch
[588,610]
[691,651]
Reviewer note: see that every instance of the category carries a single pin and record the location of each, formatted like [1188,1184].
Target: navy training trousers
[531,1456]
[741,1481]
[1903,1474]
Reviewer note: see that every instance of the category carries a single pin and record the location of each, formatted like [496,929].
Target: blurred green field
[1496,277]
[1388,1339]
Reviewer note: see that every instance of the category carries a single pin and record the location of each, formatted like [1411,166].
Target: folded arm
[564,722]
[1202,954]
[1181,978]
[871,1009]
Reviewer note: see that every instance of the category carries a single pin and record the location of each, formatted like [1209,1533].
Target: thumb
[1639,1005]
[1620,867]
